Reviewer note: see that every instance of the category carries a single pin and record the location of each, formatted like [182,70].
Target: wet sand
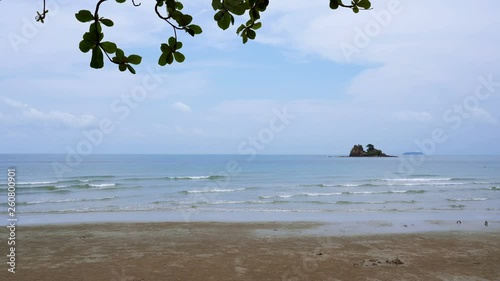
[245,251]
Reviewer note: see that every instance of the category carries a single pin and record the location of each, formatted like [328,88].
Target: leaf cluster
[170,11]
[227,9]
[356,5]
[93,40]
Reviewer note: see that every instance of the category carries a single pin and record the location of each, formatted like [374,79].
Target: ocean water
[53,189]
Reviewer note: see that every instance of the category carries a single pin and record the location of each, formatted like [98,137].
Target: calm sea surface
[53,189]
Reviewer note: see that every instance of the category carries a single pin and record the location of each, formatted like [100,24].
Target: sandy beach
[246,251]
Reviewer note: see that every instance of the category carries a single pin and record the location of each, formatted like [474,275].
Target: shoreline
[247,251]
[334,223]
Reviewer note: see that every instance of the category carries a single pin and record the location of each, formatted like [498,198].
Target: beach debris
[395,261]
[398,261]
[485,223]
[378,262]
[459,222]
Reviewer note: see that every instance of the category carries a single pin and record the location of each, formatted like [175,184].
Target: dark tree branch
[41,17]
[96,22]
[167,19]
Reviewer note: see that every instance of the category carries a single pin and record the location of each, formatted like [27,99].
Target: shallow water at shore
[267,188]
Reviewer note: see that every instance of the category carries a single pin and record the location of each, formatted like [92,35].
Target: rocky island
[358,151]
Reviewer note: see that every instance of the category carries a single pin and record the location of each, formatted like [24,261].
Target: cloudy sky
[405,76]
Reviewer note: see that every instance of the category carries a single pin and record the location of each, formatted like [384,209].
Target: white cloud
[482,115]
[182,107]
[420,57]
[20,113]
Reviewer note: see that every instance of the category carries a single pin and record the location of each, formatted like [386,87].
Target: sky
[404,76]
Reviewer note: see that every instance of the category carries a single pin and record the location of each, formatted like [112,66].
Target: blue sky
[406,76]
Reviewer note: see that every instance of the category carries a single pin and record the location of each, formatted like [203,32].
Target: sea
[423,192]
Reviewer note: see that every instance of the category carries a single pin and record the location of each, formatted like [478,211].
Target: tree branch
[41,17]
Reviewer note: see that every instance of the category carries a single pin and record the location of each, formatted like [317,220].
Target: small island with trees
[371,151]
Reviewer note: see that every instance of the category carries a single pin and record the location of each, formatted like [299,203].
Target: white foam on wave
[196,177]
[215,190]
[190,178]
[102,185]
[276,196]
[345,185]
[418,179]
[222,202]
[399,182]
[364,192]
[427,184]
[469,199]
[320,194]
[69,200]
[36,182]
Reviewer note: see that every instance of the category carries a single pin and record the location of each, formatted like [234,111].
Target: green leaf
[170,58]
[97,60]
[185,20]
[119,54]
[217,5]
[365,4]
[254,14]
[86,46]
[257,25]
[84,16]
[131,69]
[107,22]
[162,60]
[240,29]
[122,67]
[262,5]
[244,36]
[179,6]
[195,28]
[134,59]
[225,21]
[334,4]
[179,57]
[121,1]
[251,34]
[108,47]
[176,15]
[172,41]
[90,36]
[237,9]
[165,48]
[93,26]
[219,15]
[355,9]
